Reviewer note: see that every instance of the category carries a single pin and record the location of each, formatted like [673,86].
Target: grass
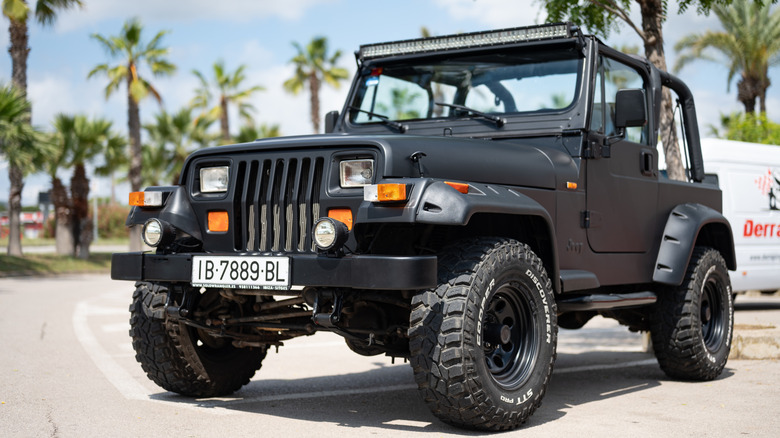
[52,264]
[50,242]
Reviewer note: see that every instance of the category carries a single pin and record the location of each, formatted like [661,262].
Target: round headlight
[329,233]
[157,232]
[152,232]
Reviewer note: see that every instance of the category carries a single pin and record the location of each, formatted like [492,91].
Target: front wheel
[182,359]
[483,342]
[693,323]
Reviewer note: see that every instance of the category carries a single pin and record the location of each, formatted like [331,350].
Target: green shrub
[111,221]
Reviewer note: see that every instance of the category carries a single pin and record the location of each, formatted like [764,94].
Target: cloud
[51,94]
[495,13]
[185,10]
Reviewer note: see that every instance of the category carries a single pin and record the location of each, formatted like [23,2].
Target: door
[622,178]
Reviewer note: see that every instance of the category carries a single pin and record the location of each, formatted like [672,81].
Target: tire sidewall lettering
[537,294]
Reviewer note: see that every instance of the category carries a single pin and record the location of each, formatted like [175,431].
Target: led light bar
[466,40]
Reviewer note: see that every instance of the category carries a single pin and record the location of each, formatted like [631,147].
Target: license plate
[243,272]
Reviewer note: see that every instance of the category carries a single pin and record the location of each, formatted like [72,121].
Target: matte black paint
[603,203]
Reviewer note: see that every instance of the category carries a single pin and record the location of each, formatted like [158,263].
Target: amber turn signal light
[146,199]
[218,221]
[343,215]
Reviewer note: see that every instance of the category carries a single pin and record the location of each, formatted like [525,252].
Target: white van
[749,176]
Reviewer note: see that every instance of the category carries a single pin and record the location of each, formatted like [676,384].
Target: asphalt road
[67,369]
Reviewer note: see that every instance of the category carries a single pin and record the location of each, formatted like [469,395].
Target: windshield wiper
[499,121]
[382,119]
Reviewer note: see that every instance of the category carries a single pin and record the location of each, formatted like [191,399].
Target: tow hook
[327,299]
[177,312]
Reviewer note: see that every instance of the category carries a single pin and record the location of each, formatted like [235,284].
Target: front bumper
[358,272]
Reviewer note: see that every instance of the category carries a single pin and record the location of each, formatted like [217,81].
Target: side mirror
[630,108]
[330,121]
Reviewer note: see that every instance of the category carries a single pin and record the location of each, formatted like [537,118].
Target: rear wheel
[183,359]
[483,342]
[693,323]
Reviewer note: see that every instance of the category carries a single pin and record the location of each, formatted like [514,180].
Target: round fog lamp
[329,233]
[156,232]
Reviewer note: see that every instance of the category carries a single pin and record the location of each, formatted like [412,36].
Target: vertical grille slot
[276,203]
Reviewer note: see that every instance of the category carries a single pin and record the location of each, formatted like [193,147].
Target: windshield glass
[494,83]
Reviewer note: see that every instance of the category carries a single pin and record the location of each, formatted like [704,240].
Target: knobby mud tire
[693,323]
[483,342]
[174,356]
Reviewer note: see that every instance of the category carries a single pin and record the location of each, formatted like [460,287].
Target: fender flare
[176,210]
[682,232]
[441,204]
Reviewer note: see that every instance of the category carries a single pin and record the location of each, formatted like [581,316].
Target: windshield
[494,83]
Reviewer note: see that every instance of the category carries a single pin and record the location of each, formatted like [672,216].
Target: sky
[260,33]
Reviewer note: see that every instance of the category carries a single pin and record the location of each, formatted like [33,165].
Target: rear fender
[689,225]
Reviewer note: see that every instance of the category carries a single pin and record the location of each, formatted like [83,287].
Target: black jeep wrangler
[475,193]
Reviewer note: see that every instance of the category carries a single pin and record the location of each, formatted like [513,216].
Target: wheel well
[717,235]
[416,239]
[531,230]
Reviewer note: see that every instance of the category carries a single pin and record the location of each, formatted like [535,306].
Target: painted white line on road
[120,378]
[131,389]
[127,386]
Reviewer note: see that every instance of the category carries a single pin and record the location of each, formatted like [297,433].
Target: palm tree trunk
[63,234]
[136,159]
[747,94]
[652,13]
[19,50]
[14,209]
[224,124]
[82,227]
[314,89]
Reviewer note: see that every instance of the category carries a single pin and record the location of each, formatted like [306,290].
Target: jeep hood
[534,162]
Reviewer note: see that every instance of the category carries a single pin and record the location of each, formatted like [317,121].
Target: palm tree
[749,43]
[134,53]
[91,139]
[64,139]
[156,163]
[22,146]
[249,133]
[228,91]
[18,12]
[173,137]
[114,159]
[312,66]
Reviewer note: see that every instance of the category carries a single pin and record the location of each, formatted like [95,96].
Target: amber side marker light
[571,185]
[461,187]
[146,199]
[218,221]
[343,215]
[391,192]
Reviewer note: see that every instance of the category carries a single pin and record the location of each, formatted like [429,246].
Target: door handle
[648,169]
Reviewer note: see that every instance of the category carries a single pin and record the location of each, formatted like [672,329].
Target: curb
[755,343]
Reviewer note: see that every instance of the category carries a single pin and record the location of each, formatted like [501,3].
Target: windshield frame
[527,122]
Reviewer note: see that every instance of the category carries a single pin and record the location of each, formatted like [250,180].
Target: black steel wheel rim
[713,314]
[510,363]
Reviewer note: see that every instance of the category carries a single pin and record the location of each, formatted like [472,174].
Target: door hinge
[595,150]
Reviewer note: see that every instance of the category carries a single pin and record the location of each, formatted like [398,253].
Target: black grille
[276,203]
